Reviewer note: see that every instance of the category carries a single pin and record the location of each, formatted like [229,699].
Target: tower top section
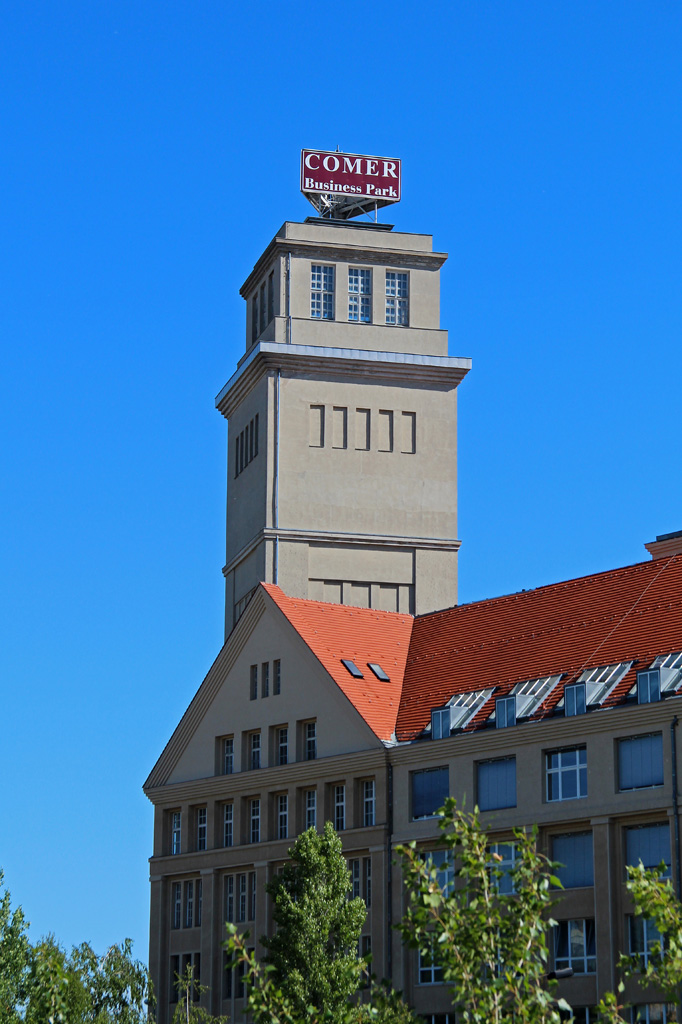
[343,185]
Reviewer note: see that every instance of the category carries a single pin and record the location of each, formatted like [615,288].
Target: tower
[342,420]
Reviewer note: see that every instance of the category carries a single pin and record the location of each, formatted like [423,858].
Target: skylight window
[351,667]
[599,682]
[531,693]
[669,668]
[378,672]
[458,712]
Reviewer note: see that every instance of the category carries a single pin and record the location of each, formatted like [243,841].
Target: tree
[187,1011]
[313,952]
[312,969]
[490,944]
[655,900]
[15,958]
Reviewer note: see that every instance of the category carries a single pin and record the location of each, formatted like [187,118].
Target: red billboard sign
[351,175]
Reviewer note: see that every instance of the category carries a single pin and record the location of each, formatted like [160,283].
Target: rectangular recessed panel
[385,429]
[316,430]
[339,427]
[408,433]
[362,430]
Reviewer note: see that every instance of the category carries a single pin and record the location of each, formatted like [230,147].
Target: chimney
[665,545]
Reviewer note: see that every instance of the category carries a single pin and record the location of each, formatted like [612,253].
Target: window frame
[340,807]
[368,803]
[624,743]
[322,291]
[562,772]
[589,941]
[254,820]
[397,301]
[359,298]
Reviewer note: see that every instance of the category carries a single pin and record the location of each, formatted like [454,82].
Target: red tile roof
[334,631]
[633,613]
[628,614]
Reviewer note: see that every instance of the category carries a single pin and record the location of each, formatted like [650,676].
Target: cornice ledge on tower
[399,366]
[343,252]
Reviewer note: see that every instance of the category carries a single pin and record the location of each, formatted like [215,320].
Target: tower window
[360,295]
[397,298]
[321,292]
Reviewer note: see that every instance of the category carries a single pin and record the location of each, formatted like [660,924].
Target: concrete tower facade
[342,424]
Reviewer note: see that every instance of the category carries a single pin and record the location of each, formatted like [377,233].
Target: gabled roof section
[632,614]
[334,632]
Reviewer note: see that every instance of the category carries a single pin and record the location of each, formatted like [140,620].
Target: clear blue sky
[149,152]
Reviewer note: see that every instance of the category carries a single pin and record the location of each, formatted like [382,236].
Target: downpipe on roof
[275,574]
[389,876]
[676,823]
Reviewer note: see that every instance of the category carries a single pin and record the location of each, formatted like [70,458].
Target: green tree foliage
[15,958]
[491,945]
[655,900]
[187,1010]
[312,968]
[42,984]
[314,951]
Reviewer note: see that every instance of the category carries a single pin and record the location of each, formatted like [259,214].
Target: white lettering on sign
[350,174]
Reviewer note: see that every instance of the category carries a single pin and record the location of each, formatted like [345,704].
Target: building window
[271,296]
[283,745]
[311,808]
[254,318]
[202,828]
[648,845]
[440,723]
[573,853]
[496,783]
[228,755]
[265,679]
[574,946]
[430,789]
[227,975]
[252,896]
[176,831]
[653,1013]
[200,901]
[253,689]
[246,446]
[428,972]
[242,894]
[566,773]
[254,817]
[367,864]
[276,678]
[228,824]
[339,808]
[360,295]
[648,686]
[646,942]
[445,872]
[189,904]
[368,803]
[397,299]
[310,741]
[354,868]
[229,898]
[254,753]
[174,979]
[177,904]
[282,816]
[505,712]
[504,857]
[640,762]
[321,292]
[574,699]
[262,308]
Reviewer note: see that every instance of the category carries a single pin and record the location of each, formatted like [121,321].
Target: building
[342,693]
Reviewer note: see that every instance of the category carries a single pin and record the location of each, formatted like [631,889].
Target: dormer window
[440,723]
[669,668]
[600,682]
[505,712]
[574,700]
[531,694]
[649,686]
[458,712]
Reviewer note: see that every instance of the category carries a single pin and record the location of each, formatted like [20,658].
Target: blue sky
[150,151]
